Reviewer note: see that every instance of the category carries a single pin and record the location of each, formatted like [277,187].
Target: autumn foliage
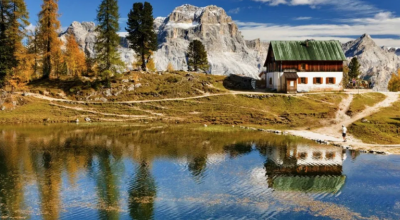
[74,58]
[394,83]
[47,38]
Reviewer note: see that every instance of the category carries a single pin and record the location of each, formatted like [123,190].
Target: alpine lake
[120,171]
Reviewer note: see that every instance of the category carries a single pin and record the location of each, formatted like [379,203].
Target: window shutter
[299,80]
[326,80]
[334,80]
[307,67]
[299,67]
[306,80]
[315,80]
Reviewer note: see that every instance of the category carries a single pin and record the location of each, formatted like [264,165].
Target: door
[291,85]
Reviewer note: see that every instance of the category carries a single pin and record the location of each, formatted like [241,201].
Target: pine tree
[74,58]
[197,56]
[354,68]
[108,58]
[141,34]
[49,44]
[5,46]
[14,19]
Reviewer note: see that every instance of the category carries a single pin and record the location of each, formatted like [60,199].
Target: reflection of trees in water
[239,149]
[11,190]
[33,155]
[142,193]
[197,166]
[107,185]
[49,179]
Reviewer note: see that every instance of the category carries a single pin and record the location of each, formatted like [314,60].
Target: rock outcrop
[377,63]
[86,35]
[395,51]
[228,52]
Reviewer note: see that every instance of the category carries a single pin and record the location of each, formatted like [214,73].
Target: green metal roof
[330,50]
[329,184]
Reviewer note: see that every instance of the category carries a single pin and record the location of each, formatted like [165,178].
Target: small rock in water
[87,119]
[77,120]
[3,108]
[205,125]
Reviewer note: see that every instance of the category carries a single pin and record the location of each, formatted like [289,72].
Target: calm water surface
[121,172]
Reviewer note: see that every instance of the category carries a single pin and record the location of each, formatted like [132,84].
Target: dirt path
[333,133]
[101,113]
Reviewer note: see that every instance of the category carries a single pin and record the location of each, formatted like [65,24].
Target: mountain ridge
[228,51]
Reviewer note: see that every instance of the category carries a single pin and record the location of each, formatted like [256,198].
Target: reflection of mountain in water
[305,168]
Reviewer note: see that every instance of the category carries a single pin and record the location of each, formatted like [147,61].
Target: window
[270,80]
[330,155]
[317,155]
[317,80]
[302,156]
[303,80]
[330,80]
[303,66]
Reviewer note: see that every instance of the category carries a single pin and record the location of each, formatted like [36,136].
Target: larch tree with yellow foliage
[49,44]
[21,72]
[394,83]
[74,58]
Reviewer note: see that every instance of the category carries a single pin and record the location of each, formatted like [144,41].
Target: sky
[268,20]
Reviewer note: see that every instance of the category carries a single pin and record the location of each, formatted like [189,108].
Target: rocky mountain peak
[377,63]
[216,30]
[228,53]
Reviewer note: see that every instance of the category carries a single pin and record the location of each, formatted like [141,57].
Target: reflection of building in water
[305,168]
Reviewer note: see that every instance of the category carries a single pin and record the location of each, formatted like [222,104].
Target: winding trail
[330,133]
[333,133]
[43,97]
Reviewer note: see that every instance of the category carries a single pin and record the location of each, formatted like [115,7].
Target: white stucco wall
[278,81]
[320,87]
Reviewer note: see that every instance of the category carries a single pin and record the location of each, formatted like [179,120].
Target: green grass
[278,111]
[152,86]
[35,111]
[362,101]
[384,127]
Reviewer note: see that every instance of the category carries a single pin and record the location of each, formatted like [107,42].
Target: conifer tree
[74,58]
[197,56]
[141,34]
[354,68]
[49,44]
[5,49]
[14,19]
[108,58]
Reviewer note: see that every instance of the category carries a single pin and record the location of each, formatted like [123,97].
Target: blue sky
[271,19]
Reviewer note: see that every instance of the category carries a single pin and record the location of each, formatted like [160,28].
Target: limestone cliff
[377,63]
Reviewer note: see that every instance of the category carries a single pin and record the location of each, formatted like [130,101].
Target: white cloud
[31,27]
[384,15]
[379,25]
[302,18]
[356,6]
[234,11]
